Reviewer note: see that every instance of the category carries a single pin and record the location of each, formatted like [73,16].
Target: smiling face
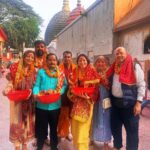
[51,61]
[29,58]
[120,54]
[101,63]
[82,62]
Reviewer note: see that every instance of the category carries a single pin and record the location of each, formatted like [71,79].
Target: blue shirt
[45,82]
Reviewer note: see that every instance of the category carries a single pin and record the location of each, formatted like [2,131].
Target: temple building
[107,24]
[57,23]
[60,21]
[91,32]
[75,12]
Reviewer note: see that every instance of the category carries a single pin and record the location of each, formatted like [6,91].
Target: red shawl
[127,74]
[67,71]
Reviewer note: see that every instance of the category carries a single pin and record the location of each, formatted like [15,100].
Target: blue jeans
[120,117]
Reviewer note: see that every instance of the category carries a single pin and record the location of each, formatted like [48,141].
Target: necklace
[23,72]
[102,73]
[40,62]
[51,73]
[103,78]
[58,75]
[81,74]
[117,68]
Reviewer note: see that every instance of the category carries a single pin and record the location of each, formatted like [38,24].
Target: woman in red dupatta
[22,113]
[83,75]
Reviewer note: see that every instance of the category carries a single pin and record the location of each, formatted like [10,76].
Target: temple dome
[57,23]
[75,12]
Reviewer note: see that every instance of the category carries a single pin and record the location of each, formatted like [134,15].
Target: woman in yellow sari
[82,110]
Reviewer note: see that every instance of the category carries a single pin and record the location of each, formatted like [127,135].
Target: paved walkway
[64,145]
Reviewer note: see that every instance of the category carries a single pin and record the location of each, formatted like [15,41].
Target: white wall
[91,32]
[133,41]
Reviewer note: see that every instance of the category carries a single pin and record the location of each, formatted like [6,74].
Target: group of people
[116,101]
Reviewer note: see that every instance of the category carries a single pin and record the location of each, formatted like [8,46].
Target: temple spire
[66,5]
[78,2]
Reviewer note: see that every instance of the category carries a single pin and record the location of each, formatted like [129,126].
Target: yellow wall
[122,7]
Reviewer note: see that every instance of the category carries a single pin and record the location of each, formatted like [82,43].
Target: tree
[20,23]
[20,31]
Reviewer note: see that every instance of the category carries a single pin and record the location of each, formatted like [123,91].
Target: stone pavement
[144,130]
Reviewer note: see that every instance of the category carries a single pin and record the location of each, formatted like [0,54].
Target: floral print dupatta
[81,107]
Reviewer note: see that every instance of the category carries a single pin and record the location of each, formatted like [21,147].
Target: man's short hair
[50,54]
[67,52]
[39,42]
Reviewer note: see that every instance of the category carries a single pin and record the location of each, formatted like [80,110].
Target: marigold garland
[58,75]
[103,77]
[21,72]
[40,61]
[51,73]
[117,68]
[81,74]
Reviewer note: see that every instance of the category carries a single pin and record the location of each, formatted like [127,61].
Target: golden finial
[78,2]
[66,5]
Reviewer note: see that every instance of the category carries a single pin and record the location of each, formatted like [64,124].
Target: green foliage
[20,31]
[20,23]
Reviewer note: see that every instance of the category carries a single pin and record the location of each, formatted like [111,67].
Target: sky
[48,8]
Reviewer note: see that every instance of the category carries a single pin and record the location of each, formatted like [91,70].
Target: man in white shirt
[128,90]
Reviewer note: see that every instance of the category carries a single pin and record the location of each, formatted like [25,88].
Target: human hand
[84,95]
[49,91]
[8,76]
[35,97]
[137,108]
[7,89]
